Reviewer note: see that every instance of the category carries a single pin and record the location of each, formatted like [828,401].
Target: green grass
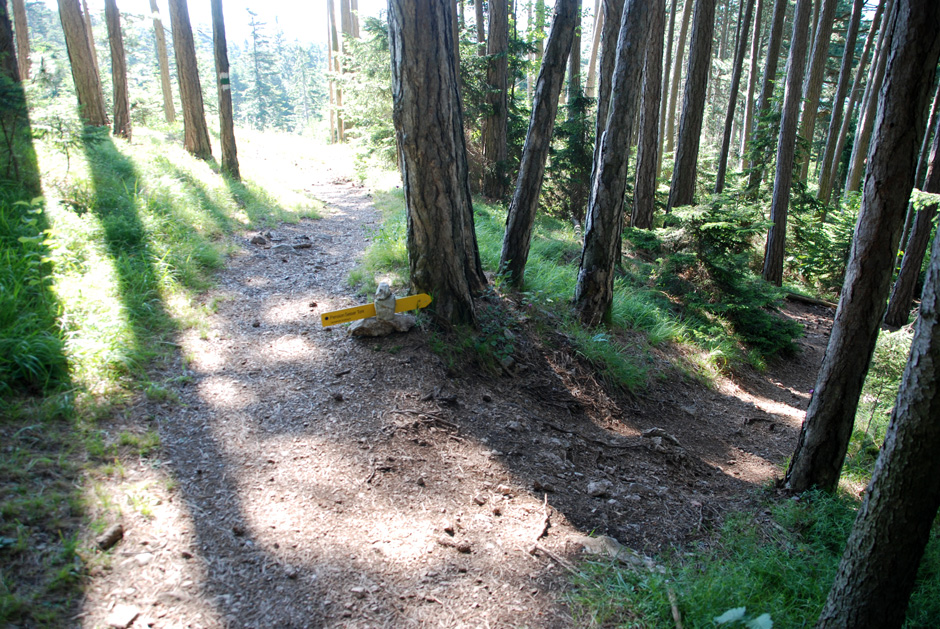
[781,562]
[95,282]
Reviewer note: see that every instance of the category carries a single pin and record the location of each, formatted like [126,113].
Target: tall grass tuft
[31,346]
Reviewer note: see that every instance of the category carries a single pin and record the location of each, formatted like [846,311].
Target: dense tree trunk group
[892,159]
[521,217]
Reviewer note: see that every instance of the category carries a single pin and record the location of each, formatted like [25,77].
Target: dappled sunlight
[225,393]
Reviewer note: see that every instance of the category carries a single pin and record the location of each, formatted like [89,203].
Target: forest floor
[309,479]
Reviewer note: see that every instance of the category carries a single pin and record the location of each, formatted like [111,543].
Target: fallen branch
[674,604]
[564,563]
[812,301]
[543,529]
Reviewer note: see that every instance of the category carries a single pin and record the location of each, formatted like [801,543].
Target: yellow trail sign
[368,310]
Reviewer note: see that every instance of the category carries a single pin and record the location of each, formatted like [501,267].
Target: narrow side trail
[307,479]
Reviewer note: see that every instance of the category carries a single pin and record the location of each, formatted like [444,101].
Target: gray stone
[382,327]
[652,433]
[283,248]
[122,616]
[600,488]
[258,240]
[384,302]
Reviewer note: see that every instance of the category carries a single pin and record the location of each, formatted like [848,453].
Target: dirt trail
[307,479]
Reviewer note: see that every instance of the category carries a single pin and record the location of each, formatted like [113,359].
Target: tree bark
[603,226]
[226,120]
[748,124]
[22,38]
[786,146]
[682,191]
[442,249]
[195,133]
[877,572]
[677,75]
[647,157]
[902,295]
[86,16]
[87,86]
[574,59]
[481,29]
[495,147]
[521,217]
[889,179]
[613,11]
[169,109]
[733,98]
[337,69]
[825,191]
[869,108]
[17,155]
[812,86]
[591,87]
[664,91]
[122,107]
[767,87]
[838,100]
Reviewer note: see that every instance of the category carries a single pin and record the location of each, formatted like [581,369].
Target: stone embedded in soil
[258,240]
[600,488]
[110,537]
[283,248]
[659,432]
[374,327]
[122,616]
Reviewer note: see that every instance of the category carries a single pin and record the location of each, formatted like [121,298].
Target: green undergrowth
[688,284]
[96,280]
[780,562]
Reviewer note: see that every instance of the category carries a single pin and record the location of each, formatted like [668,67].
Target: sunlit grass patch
[781,562]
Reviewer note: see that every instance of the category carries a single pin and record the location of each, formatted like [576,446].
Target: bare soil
[308,479]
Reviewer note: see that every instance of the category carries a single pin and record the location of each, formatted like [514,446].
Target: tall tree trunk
[889,179]
[677,75]
[876,575]
[869,108]
[604,223]
[17,156]
[337,48]
[169,110]
[226,121]
[442,247]
[495,147]
[723,39]
[122,107]
[748,125]
[664,93]
[574,60]
[733,98]
[838,100]
[899,305]
[767,87]
[354,13]
[521,217]
[812,86]
[87,86]
[22,38]
[195,133]
[591,87]
[86,16]
[647,156]
[682,191]
[613,11]
[825,192]
[481,29]
[786,146]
